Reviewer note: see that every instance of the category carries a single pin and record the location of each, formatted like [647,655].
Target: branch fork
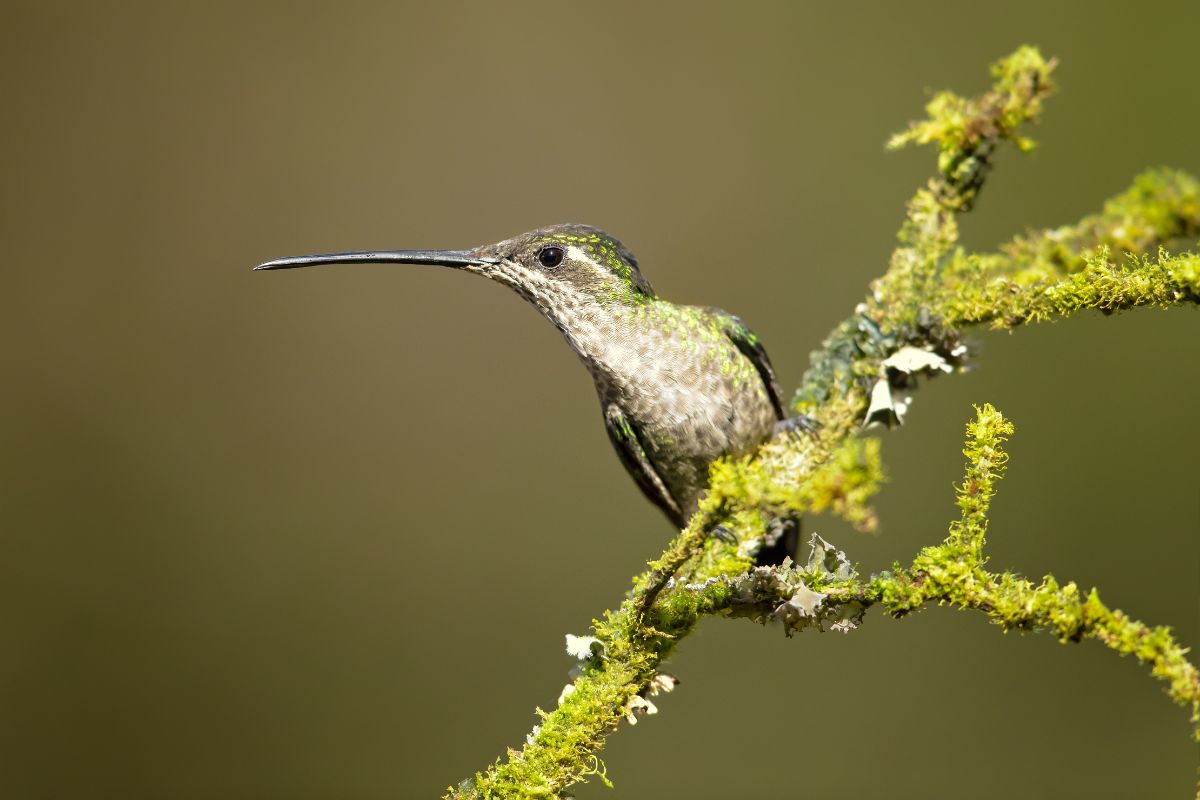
[912,323]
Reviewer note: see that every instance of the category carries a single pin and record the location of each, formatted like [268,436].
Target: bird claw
[799,422]
[723,533]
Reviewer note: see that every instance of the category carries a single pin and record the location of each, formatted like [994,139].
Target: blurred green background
[318,534]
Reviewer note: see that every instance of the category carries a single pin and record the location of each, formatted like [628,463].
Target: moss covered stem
[910,325]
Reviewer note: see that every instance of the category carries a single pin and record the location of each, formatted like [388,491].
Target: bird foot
[724,533]
[798,423]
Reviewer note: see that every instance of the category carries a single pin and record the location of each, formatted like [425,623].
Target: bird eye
[550,257]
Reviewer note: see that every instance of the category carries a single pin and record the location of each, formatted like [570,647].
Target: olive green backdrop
[320,534]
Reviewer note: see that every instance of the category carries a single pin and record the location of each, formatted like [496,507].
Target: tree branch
[911,324]
[827,591]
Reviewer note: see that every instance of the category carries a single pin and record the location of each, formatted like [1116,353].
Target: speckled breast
[687,389]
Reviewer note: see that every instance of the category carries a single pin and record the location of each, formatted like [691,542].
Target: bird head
[555,267]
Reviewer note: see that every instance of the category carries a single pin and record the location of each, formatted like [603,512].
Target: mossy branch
[911,324]
[1162,280]
[827,592]
[1162,207]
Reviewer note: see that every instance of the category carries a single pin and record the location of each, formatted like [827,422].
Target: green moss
[1162,205]
[931,292]
[1162,280]
[966,130]
[954,573]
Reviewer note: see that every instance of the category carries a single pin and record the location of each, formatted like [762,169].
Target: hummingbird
[679,386]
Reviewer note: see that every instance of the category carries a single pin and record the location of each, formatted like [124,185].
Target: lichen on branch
[910,326]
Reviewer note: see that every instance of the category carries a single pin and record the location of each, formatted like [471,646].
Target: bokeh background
[320,534]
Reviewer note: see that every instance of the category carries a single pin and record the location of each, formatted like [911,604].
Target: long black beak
[440,258]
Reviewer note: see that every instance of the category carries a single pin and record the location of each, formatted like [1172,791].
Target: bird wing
[628,444]
[751,347]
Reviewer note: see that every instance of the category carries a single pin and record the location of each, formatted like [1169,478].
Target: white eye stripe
[578,254]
